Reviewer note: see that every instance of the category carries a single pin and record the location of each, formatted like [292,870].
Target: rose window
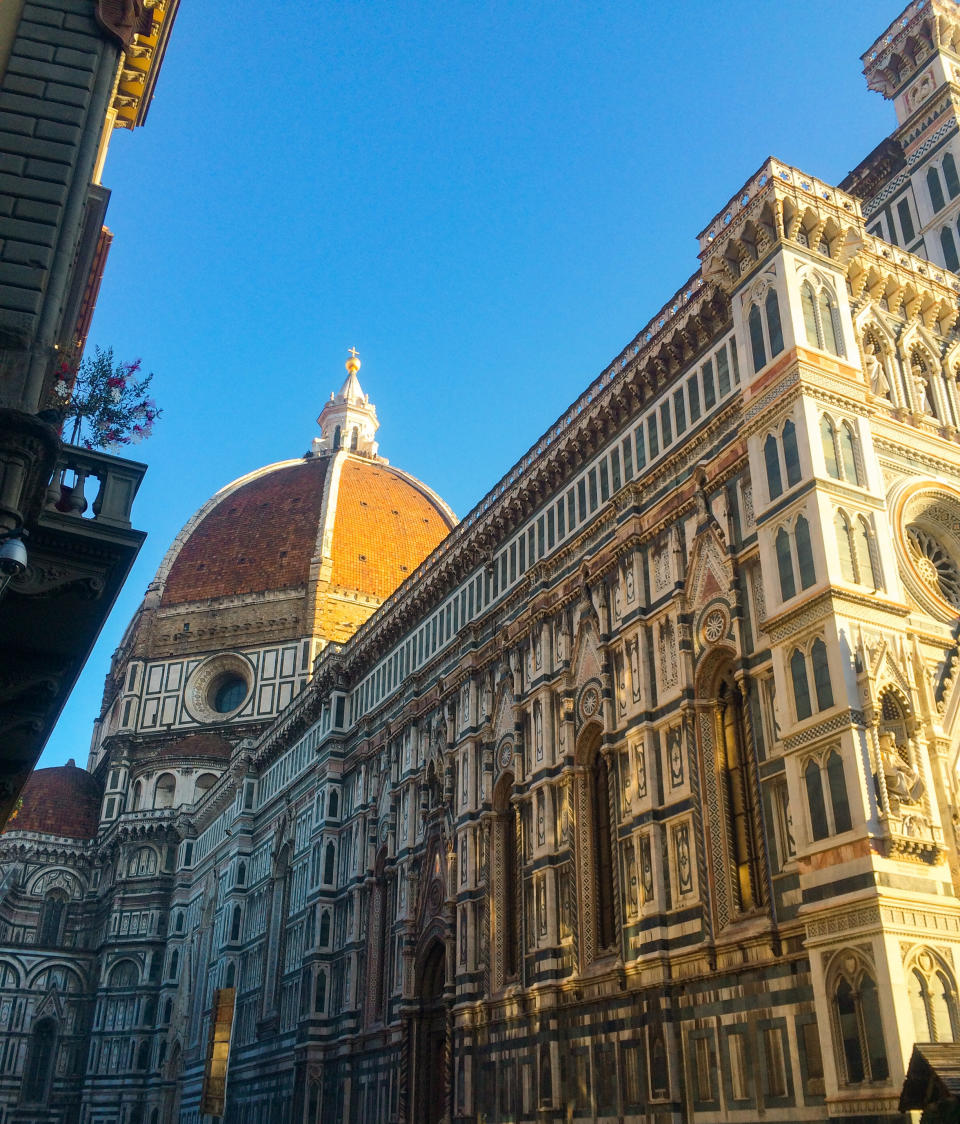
[934,564]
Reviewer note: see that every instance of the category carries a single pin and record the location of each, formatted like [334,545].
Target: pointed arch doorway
[430,1038]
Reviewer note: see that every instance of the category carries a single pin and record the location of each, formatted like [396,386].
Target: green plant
[106,402]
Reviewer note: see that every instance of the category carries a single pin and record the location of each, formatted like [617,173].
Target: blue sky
[487,200]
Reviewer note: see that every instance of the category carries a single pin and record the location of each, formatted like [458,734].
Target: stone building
[71,71]
[631,797]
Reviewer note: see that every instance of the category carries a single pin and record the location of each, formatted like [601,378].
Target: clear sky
[487,199]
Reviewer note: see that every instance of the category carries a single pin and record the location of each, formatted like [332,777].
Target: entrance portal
[431,1039]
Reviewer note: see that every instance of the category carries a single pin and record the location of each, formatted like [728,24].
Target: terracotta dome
[265,531]
[257,534]
[60,801]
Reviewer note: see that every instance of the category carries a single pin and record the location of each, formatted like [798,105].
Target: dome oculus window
[218,688]
[227,693]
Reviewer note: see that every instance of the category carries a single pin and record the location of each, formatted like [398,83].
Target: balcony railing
[94,486]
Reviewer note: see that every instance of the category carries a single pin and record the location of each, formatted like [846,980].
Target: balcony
[81,546]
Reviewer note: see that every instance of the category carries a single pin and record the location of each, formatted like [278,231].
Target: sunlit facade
[631,796]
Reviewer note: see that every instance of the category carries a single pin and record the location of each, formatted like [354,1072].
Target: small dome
[60,801]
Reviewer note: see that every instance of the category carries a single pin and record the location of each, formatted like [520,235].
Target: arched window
[808,303]
[820,774]
[841,451]
[315,860]
[241,874]
[744,850]
[860,1027]
[124,974]
[848,454]
[602,852]
[821,675]
[507,904]
[791,456]
[204,783]
[354,439]
[804,552]
[868,561]
[137,795]
[231,976]
[150,1012]
[828,438]
[801,688]
[334,804]
[143,1055]
[933,999]
[38,1070]
[755,324]
[336,437]
[178,924]
[843,532]
[774,330]
[325,928]
[50,929]
[235,924]
[771,456]
[935,190]
[821,318]
[143,861]
[950,176]
[167,1011]
[830,323]
[818,811]
[949,248]
[174,965]
[164,792]
[328,864]
[788,587]
[320,992]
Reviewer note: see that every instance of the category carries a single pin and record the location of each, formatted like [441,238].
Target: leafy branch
[106,402]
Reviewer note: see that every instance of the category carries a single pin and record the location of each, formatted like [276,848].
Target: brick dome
[271,531]
[255,535]
[60,801]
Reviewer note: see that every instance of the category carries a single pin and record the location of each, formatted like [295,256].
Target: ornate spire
[349,419]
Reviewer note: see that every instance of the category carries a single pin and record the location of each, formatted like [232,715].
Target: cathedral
[633,796]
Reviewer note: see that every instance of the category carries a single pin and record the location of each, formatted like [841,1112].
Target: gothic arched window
[757,346]
[821,675]
[828,436]
[949,248]
[328,864]
[50,929]
[822,774]
[507,903]
[950,175]
[771,457]
[324,928]
[788,586]
[935,190]
[235,923]
[801,688]
[602,851]
[859,1024]
[38,1070]
[774,330]
[791,455]
[734,766]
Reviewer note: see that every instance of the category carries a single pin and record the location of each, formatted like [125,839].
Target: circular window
[934,564]
[219,687]
[227,693]
[926,515]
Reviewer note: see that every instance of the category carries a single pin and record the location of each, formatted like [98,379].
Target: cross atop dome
[349,418]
